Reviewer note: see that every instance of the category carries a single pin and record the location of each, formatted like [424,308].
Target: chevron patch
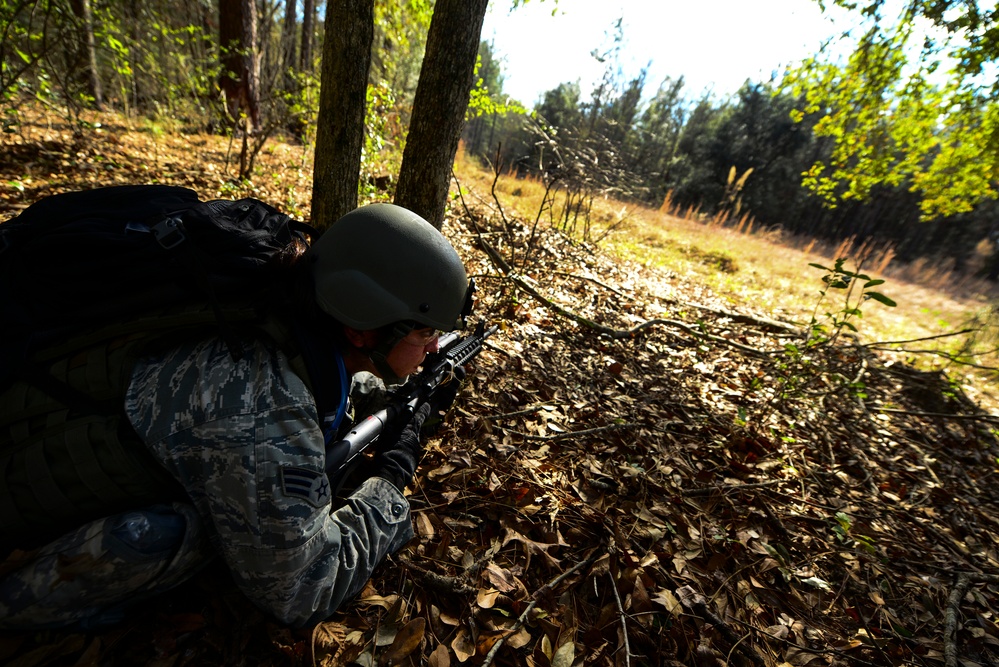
[306,484]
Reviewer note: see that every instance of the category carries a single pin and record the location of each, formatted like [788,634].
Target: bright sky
[715,44]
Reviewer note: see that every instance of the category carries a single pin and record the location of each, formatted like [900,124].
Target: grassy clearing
[767,273]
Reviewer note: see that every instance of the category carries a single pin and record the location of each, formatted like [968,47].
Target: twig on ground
[592,280]
[744,318]
[950,626]
[438,582]
[506,415]
[992,419]
[522,619]
[621,615]
[698,604]
[917,340]
[964,580]
[575,434]
[507,271]
[724,488]
[626,333]
[728,658]
[811,649]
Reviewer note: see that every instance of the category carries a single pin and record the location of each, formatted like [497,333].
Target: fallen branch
[964,580]
[724,488]
[576,276]
[507,272]
[810,649]
[950,626]
[992,419]
[438,582]
[506,415]
[619,334]
[917,340]
[522,619]
[574,434]
[764,322]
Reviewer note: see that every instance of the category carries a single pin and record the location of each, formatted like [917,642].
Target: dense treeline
[735,159]
[243,67]
[251,68]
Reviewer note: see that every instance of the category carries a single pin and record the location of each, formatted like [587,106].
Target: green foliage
[41,54]
[400,38]
[487,98]
[153,57]
[299,104]
[895,119]
[843,529]
[382,150]
[826,329]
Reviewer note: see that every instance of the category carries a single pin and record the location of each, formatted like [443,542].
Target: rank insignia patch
[306,484]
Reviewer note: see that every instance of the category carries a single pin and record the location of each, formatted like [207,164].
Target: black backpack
[75,261]
[86,279]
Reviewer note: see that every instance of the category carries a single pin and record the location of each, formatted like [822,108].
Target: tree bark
[439,107]
[84,12]
[289,46]
[240,79]
[342,98]
[308,17]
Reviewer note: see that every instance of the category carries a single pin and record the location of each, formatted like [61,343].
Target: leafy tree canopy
[913,104]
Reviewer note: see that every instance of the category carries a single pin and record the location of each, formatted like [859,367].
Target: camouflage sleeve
[244,440]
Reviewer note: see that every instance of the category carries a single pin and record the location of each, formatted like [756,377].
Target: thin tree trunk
[350,30]
[240,78]
[289,39]
[439,107]
[308,18]
[85,13]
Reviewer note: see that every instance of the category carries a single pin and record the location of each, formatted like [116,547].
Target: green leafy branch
[825,330]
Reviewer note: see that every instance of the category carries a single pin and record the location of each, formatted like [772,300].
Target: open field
[767,273]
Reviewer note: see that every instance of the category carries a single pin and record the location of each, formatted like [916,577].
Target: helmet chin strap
[384,369]
[379,356]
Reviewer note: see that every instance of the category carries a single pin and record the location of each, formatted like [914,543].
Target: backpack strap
[318,361]
[63,392]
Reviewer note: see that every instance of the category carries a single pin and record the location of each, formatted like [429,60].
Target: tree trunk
[289,44]
[84,12]
[308,17]
[240,79]
[439,107]
[350,29]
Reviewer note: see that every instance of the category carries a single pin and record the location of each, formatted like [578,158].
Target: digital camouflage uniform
[243,438]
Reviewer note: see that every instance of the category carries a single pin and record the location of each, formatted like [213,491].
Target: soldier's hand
[398,459]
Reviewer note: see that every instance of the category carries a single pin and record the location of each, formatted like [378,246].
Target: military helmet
[381,264]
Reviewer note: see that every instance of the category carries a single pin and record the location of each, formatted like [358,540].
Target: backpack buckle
[169,232]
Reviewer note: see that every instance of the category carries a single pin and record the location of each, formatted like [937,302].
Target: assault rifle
[438,370]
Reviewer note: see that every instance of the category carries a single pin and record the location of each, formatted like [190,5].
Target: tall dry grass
[767,271]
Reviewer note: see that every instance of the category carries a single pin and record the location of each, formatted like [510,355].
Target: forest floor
[636,473]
